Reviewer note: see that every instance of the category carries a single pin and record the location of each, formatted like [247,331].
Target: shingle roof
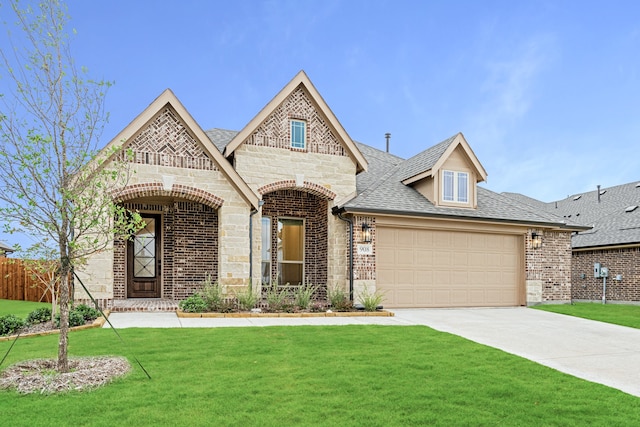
[221,137]
[612,225]
[425,160]
[380,189]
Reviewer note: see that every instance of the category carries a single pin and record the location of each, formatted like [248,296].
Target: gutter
[392,212]
[338,213]
[253,212]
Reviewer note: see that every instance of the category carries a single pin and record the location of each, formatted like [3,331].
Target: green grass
[625,315]
[333,376]
[20,308]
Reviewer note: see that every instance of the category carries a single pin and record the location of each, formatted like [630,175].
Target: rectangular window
[290,251]
[266,250]
[298,134]
[455,187]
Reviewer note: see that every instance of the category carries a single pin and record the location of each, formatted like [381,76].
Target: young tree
[53,184]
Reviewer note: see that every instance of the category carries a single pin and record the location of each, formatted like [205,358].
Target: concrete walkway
[595,351]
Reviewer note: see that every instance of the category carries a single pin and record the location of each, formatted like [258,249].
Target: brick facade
[549,267]
[313,209]
[189,248]
[623,261]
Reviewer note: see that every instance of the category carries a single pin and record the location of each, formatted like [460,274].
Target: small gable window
[298,134]
[455,186]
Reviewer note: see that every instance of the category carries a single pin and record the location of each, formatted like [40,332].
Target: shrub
[88,313]
[303,294]
[213,294]
[75,319]
[370,300]
[277,298]
[246,298]
[338,299]
[39,315]
[194,304]
[10,323]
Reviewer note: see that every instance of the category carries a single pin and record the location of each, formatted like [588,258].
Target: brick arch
[156,189]
[290,184]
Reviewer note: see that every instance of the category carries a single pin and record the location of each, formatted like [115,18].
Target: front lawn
[314,375]
[20,308]
[625,315]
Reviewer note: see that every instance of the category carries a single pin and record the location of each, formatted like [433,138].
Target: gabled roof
[381,190]
[424,164]
[168,98]
[612,224]
[300,79]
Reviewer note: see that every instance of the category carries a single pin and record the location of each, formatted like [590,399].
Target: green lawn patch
[20,308]
[625,315]
[314,375]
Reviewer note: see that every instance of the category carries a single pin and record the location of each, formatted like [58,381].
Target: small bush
[10,323]
[88,313]
[75,319]
[277,298]
[317,307]
[370,300]
[338,299]
[39,315]
[194,304]
[246,299]
[213,294]
[303,294]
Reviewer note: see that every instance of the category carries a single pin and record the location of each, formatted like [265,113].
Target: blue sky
[547,93]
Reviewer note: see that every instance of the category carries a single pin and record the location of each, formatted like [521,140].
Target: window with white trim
[455,186]
[298,134]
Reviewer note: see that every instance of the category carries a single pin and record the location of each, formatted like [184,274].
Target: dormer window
[455,186]
[298,134]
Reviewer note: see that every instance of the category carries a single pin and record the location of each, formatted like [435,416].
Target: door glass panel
[290,251]
[144,250]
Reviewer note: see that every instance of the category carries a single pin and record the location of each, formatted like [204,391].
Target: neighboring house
[613,240]
[292,198]
[5,250]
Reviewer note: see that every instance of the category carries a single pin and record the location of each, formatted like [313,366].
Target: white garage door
[434,268]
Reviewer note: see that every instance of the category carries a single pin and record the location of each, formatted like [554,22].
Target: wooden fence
[18,284]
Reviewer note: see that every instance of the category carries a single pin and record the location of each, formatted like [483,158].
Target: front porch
[143,304]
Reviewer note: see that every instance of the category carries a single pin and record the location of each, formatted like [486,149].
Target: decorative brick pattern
[314,210]
[623,261]
[275,130]
[307,186]
[156,189]
[550,264]
[189,248]
[364,266]
[167,142]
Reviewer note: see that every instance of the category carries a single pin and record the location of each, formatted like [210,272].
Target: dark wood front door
[144,260]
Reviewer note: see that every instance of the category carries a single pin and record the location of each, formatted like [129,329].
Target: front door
[143,260]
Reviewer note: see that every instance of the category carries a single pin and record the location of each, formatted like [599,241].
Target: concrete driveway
[595,351]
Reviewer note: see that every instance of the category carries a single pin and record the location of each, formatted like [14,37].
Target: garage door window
[455,186]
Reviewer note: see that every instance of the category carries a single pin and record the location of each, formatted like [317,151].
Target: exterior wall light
[366,233]
[536,240]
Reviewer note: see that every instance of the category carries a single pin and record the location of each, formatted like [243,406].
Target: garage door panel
[435,268]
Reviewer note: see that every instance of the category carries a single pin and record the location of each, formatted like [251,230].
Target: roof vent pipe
[598,193]
[388,137]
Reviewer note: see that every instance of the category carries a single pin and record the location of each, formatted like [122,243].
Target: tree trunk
[63,341]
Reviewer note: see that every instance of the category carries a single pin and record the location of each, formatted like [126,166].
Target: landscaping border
[382,313]
[98,323]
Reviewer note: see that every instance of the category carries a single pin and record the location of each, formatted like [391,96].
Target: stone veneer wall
[548,269]
[313,209]
[189,249]
[623,261]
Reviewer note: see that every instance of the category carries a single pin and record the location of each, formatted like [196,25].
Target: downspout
[350,221]
[253,212]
